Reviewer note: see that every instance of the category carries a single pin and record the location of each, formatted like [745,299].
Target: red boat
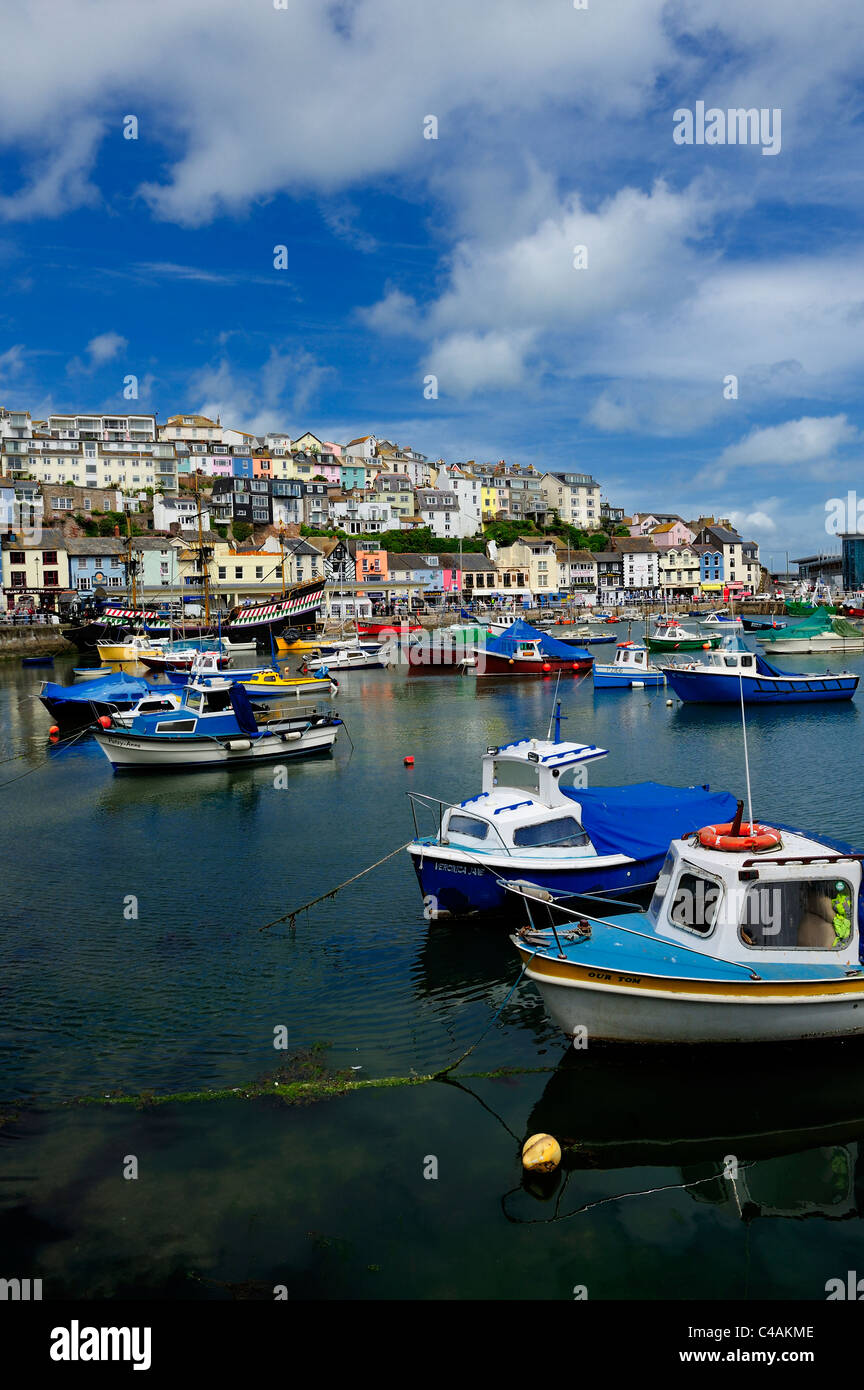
[399,625]
[525,651]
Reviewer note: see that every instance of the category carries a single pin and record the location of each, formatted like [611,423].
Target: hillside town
[383,524]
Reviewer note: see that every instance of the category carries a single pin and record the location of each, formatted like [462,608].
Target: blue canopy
[643,819]
[118,686]
[244,713]
[508,643]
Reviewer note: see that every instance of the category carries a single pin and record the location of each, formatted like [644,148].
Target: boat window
[746,661]
[509,773]
[193,700]
[217,700]
[799,915]
[694,906]
[561,832]
[467,825]
[175,726]
[730,660]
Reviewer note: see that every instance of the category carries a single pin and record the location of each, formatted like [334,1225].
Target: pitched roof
[640,544]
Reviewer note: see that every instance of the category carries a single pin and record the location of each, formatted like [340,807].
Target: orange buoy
[749,837]
[706,646]
[409,761]
[546,666]
[55,729]
[105,721]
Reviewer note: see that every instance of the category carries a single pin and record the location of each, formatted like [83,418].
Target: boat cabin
[796,903]
[525,803]
[630,657]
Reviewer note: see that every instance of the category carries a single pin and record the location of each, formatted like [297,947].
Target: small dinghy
[37,661]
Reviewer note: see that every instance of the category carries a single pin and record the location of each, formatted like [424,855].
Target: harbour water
[133,962]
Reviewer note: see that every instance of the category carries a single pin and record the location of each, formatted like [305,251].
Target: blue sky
[303,127]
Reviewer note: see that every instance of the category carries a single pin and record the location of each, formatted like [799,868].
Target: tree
[241,530]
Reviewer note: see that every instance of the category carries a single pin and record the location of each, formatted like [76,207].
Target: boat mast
[202,558]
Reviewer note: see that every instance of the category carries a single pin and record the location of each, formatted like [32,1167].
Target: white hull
[807,646]
[618,1014]
[127,750]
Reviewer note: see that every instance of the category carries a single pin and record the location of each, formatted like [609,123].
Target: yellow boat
[301,644]
[129,649]
[267,683]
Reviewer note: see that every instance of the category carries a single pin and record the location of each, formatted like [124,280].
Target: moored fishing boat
[215,725]
[733,673]
[133,648]
[343,659]
[670,636]
[525,651]
[535,819]
[822,632]
[632,666]
[752,935]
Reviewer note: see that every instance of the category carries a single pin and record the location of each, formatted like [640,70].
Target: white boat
[535,818]
[214,725]
[632,666]
[749,938]
[343,658]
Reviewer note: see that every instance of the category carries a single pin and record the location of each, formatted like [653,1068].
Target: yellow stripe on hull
[575,976]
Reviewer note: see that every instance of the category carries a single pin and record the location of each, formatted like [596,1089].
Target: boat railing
[548,900]
[427,801]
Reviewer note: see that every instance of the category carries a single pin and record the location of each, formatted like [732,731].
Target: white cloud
[806,441]
[469,362]
[261,399]
[104,348]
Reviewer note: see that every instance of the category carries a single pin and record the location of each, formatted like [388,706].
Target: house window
[51,579]
[238,571]
[17,557]
[259,571]
[222,572]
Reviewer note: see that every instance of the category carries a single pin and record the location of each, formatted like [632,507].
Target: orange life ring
[750,837]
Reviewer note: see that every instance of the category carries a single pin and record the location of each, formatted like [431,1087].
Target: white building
[574,496]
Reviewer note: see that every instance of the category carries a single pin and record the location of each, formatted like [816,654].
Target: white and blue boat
[752,935]
[214,724]
[536,819]
[632,666]
[733,672]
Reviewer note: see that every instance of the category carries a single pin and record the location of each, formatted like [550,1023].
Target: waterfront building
[36,565]
[641,564]
[96,562]
[741,568]
[680,572]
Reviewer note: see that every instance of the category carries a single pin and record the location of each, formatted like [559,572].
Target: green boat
[674,638]
[796,609]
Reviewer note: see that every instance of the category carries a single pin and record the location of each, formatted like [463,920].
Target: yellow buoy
[541,1154]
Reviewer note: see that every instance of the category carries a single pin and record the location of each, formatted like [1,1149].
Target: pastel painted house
[370,563]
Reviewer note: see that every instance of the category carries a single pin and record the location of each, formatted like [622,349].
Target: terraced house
[36,566]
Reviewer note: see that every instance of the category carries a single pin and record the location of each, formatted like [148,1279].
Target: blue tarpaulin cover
[242,707]
[118,686]
[642,820]
[507,644]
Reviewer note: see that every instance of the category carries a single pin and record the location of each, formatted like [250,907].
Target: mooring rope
[322,897]
[61,744]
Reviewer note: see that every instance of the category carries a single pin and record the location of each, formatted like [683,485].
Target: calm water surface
[330,1199]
